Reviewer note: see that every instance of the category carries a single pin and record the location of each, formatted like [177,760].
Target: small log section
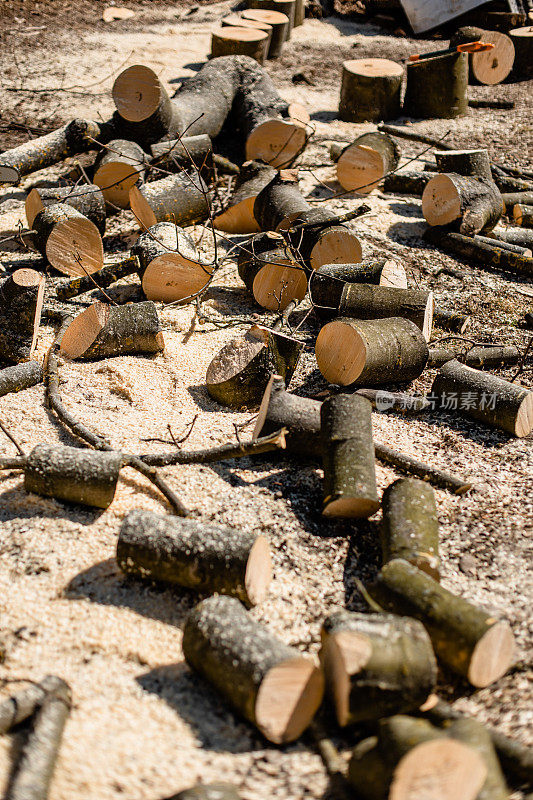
[181,199]
[522,39]
[363,163]
[21,301]
[239,217]
[489,256]
[186,152]
[280,202]
[279,24]
[20,377]
[370,90]
[21,705]
[270,684]
[286,7]
[371,352]
[228,41]
[491,66]
[103,331]
[476,736]
[145,112]
[183,552]
[118,168]
[437,87]
[71,242]
[485,397]
[327,283]
[72,474]
[269,271]
[367,301]
[86,198]
[376,665]
[523,215]
[470,641]
[237,21]
[410,525]
[319,239]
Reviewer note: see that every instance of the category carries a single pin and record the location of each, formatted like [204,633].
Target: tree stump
[278,24]
[370,90]
[180,199]
[117,169]
[208,791]
[286,7]
[238,21]
[522,39]
[239,217]
[437,87]
[365,162]
[491,66]
[242,41]
[86,198]
[71,242]
[21,302]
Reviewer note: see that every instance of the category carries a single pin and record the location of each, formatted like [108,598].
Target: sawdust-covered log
[270,684]
[103,331]
[437,87]
[207,558]
[287,7]
[85,198]
[182,199]
[364,163]
[523,215]
[376,665]
[19,377]
[21,705]
[71,242]
[278,23]
[327,284]
[368,301]
[408,182]
[144,110]
[120,166]
[348,457]
[241,41]
[522,39]
[370,90]
[371,352]
[21,300]
[485,397]
[467,639]
[475,735]
[410,525]
[238,216]
[270,272]
[470,248]
[103,278]
[487,67]
[208,791]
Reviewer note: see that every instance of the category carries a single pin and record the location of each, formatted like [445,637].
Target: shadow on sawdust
[17,504]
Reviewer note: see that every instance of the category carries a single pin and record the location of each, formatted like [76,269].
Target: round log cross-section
[71,242]
[370,90]
[119,167]
[364,163]
[487,67]
[87,199]
[242,41]
[278,23]
[286,7]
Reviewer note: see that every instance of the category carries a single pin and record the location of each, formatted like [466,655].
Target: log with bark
[21,301]
[470,641]
[236,20]
[71,242]
[327,284]
[238,216]
[368,301]
[510,199]
[451,320]
[487,67]
[371,352]
[475,735]
[103,331]
[183,552]
[19,377]
[240,41]
[523,215]
[513,248]
[182,199]
[85,198]
[280,202]
[120,166]
[522,39]
[187,152]
[376,665]
[485,397]
[287,7]
[409,182]
[469,247]
[480,357]
[319,236]
[364,163]
[437,87]
[239,373]
[270,272]
[22,705]
[278,23]
[144,109]
[348,457]
[270,684]
[397,402]
[370,90]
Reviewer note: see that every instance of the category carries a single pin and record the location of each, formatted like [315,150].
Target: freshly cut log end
[277,142]
[268,683]
[180,199]
[522,39]
[240,41]
[137,93]
[276,21]
[492,655]
[87,199]
[441,201]
[473,204]
[336,245]
[239,216]
[118,168]
[21,302]
[370,90]
[286,7]
[523,215]
[270,273]
[488,67]
[362,165]
[71,243]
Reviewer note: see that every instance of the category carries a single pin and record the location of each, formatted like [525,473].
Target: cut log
[171,269]
[523,215]
[407,182]
[73,474]
[271,273]
[71,242]
[376,665]
[503,21]
[279,202]
[207,558]
[21,302]
[348,457]
[228,41]
[522,238]
[397,402]
[208,791]
[367,301]
[476,736]
[522,39]
[468,163]
[437,87]
[370,90]
[371,352]
[270,684]
[181,199]
[239,373]
[487,67]
[119,167]
[490,256]
[19,377]
[239,217]
[187,153]
[319,240]
[103,331]
[286,7]
[470,641]
[410,526]
[299,13]
[146,113]
[276,140]
[327,284]
[451,321]
[105,277]
[18,708]
[365,162]
[510,199]
[86,198]
[34,770]
[278,23]
[237,20]
[484,397]
[75,137]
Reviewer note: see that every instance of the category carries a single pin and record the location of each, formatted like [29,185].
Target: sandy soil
[142,725]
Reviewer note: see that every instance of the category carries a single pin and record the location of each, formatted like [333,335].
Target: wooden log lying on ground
[278,23]
[21,301]
[71,242]
[299,13]
[208,791]
[437,87]
[484,397]
[405,762]
[319,239]
[348,457]
[242,41]
[450,320]
[364,163]
[286,7]
[367,301]
[490,256]
[517,236]
[182,199]
[280,202]
[407,182]
[410,525]
[398,402]
[145,112]
[207,558]
[34,770]
[522,39]
[270,684]
[376,665]
[103,331]
[470,641]
[170,267]
[73,474]
[475,735]
[487,67]
[370,352]
[370,90]
[523,215]
[85,198]
[479,357]
[238,216]
[510,199]
[239,373]
[270,272]
[103,278]
[119,167]
[19,377]
[21,705]
[187,152]
[327,283]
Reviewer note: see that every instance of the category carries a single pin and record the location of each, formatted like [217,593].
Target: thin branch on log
[275,441]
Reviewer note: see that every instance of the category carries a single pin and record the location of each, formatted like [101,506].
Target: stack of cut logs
[156,157]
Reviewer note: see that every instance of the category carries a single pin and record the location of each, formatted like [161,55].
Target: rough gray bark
[516,236]
[369,98]
[21,705]
[85,198]
[490,256]
[468,163]
[437,87]
[510,199]
[479,357]
[181,199]
[21,299]
[328,282]
[19,377]
[408,182]
[187,152]
[103,278]
[479,203]
[280,201]
[367,301]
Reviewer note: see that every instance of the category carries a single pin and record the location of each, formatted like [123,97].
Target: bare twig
[12,439]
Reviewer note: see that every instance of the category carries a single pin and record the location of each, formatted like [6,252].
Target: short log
[71,242]
[319,240]
[145,112]
[237,21]
[239,217]
[181,199]
[475,735]
[327,283]
[407,182]
[19,377]
[487,67]
[523,215]
[522,39]
[187,152]
[280,202]
[103,331]
[103,278]
[437,87]
[370,352]
[367,301]
[376,665]
[517,236]
[86,198]
[21,301]
[286,7]
[119,167]
[470,641]
[370,90]
[365,162]
[278,23]
[450,320]
[271,273]
[270,684]
[183,552]
[241,41]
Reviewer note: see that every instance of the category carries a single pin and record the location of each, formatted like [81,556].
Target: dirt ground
[142,725]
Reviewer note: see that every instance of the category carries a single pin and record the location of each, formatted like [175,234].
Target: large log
[287,7]
[182,199]
[145,111]
[278,23]
[86,198]
[437,87]
[21,302]
[364,163]
[523,215]
[119,167]
[370,90]
[270,684]
[240,41]
[327,284]
[71,242]
[270,272]
[487,67]
[238,216]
